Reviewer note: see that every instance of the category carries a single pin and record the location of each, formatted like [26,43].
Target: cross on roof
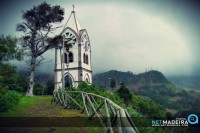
[73,7]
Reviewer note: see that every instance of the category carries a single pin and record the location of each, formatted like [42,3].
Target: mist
[133,36]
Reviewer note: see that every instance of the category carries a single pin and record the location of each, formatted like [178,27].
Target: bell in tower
[73,56]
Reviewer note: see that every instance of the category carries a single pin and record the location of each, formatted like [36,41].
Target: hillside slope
[133,81]
[188,82]
[153,85]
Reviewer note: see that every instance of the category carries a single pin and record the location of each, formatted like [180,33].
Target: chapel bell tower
[73,57]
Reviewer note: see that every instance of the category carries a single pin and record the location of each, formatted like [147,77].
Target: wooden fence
[111,116]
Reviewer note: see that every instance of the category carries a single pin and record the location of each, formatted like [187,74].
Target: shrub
[39,89]
[49,87]
[124,93]
[9,100]
[11,80]
[83,86]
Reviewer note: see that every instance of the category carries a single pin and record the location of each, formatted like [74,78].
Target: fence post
[85,107]
[108,117]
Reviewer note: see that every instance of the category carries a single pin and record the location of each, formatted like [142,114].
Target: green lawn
[40,106]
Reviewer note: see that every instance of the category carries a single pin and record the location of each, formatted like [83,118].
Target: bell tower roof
[73,22]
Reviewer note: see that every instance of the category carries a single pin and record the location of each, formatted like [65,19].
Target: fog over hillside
[128,35]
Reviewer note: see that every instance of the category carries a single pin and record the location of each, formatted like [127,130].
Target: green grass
[40,106]
[20,108]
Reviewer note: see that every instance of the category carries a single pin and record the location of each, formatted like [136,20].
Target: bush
[11,80]
[124,93]
[49,87]
[39,89]
[83,86]
[9,100]
[146,106]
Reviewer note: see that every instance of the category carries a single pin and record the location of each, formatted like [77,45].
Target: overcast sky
[135,35]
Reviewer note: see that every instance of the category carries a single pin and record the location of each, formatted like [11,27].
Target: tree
[9,79]
[37,26]
[50,87]
[124,94]
[112,83]
[9,49]
[39,89]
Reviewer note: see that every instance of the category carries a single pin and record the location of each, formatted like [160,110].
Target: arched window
[65,58]
[71,57]
[68,81]
[87,78]
[84,58]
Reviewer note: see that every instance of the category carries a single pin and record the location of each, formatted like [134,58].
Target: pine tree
[37,25]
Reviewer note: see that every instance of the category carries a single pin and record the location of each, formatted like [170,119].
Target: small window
[71,57]
[66,59]
[84,58]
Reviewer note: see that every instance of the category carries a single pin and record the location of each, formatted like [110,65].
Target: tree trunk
[31,77]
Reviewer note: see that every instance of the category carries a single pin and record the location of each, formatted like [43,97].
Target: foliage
[17,110]
[112,83]
[137,108]
[130,79]
[9,49]
[124,93]
[7,76]
[137,103]
[169,96]
[22,83]
[83,86]
[49,87]
[39,89]
[9,100]
[146,106]
[37,25]
[11,80]
[155,86]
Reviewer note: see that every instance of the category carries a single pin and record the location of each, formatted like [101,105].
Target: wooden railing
[111,116]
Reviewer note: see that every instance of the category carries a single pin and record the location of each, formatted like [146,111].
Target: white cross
[73,7]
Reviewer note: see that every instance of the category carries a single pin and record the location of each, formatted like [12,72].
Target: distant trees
[124,94]
[37,25]
[9,49]
[9,79]
[50,87]
[43,88]
[112,83]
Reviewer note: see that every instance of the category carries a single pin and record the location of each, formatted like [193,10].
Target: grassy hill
[155,86]
[187,82]
[41,107]
[132,81]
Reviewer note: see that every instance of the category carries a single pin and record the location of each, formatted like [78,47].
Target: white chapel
[73,57]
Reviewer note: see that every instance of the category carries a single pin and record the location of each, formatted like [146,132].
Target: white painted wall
[74,67]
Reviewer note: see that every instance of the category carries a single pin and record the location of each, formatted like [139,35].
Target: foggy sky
[130,35]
